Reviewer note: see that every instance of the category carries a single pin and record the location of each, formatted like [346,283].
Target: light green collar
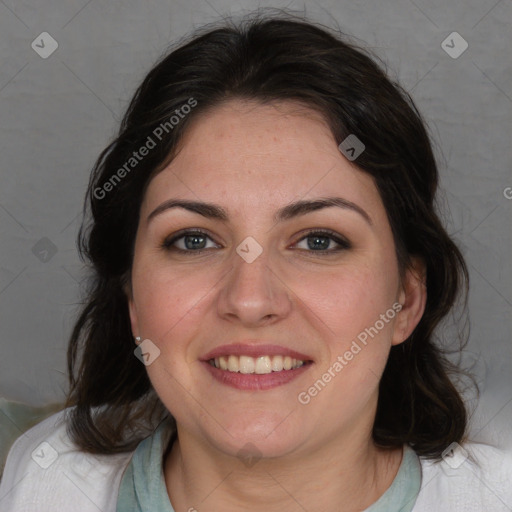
[143,484]
[402,494]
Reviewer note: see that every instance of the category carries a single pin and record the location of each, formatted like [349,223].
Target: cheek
[169,303]
[169,309]
[356,306]
[349,299]
[356,340]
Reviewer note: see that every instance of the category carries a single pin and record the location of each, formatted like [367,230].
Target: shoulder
[473,476]
[45,470]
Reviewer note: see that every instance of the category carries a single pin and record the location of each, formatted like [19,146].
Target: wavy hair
[267,59]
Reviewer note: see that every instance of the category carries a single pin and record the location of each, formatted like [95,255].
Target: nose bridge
[253,291]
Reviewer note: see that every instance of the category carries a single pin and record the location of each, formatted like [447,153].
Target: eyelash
[344,244]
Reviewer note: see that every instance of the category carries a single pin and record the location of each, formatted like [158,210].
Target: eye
[187,242]
[195,241]
[319,241]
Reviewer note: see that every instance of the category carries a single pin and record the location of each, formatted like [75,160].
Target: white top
[45,472]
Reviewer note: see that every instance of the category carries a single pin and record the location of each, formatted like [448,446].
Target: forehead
[262,155]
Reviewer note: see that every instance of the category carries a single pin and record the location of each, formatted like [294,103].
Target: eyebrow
[294,209]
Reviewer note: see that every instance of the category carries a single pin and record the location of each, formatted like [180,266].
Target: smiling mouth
[256,365]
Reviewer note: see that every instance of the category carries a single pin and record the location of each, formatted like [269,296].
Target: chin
[258,436]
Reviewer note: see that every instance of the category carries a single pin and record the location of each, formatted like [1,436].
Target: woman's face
[259,288]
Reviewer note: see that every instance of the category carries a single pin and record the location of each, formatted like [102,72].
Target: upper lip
[254,350]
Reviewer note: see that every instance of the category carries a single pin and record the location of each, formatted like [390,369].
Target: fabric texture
[16,418]
[143,486]
[45,472]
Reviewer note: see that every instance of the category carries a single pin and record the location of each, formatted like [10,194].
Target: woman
[263,227]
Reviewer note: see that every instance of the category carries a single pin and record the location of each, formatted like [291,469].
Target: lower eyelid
[339,247]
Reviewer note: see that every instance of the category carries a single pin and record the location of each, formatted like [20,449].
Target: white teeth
[246,364]
[277,363]
[263,365]
[233,363]
[259,365]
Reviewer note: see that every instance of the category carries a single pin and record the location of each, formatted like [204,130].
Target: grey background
[58,113]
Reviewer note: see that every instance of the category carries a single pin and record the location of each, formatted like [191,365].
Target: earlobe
[413,297]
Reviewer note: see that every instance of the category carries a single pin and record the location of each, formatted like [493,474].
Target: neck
[349,470]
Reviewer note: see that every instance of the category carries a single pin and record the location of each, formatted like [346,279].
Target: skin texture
[253,159]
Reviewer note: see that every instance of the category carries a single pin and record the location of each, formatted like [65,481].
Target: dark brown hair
[266,59]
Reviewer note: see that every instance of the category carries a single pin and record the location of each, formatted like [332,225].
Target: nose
[253,293]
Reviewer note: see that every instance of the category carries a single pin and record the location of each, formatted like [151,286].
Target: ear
[132,310]
[413,297]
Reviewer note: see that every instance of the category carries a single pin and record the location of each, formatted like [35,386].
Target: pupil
[195,238]
[323,245]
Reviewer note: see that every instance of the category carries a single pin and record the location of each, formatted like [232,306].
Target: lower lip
[254,381]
